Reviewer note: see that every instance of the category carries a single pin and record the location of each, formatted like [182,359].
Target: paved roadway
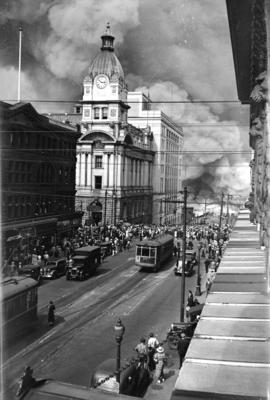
[86,313]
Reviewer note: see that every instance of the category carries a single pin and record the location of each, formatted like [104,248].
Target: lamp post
[119,331]
[198,287]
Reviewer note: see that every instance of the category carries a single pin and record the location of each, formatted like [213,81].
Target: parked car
[191,261]
[54,268]
[106,249]
[31,271]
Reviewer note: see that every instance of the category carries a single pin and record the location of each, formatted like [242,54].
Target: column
[89,170]
[126,171]
[78,158]
[111,170]
[86,169]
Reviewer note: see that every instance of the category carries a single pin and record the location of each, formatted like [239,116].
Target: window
[113,112]
[98,162]
[105,113]
[98,182]
[96,113]
[78,110]
[87,112]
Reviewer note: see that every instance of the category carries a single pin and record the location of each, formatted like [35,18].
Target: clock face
[101,81]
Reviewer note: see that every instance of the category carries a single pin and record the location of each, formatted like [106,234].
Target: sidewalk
[163,391]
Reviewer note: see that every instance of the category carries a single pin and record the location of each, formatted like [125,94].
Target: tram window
[145,251]
[152,252]
[139,251]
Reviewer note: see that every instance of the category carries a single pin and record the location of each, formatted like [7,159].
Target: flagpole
[20,64]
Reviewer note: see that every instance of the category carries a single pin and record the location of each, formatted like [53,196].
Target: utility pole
[228,197]
[160,218]
[198,287]
[182,302]
[182,298]
[220,216]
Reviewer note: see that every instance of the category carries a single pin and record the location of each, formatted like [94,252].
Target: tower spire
[107,39]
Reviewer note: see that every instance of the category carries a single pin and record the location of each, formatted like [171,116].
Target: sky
[178,50]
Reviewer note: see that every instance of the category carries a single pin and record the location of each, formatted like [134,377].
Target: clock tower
[105,92]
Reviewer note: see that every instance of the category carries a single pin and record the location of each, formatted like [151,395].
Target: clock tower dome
[105,91]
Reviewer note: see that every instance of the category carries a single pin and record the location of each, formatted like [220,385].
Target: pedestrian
[27,381]
[208,285]
[51,316]
[141,349]
[160,360]
[182,347]
[206,264]
[152,345]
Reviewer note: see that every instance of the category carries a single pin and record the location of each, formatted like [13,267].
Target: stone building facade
[114,159]
[249,22]
[129,157]
[168,141]
[38,163]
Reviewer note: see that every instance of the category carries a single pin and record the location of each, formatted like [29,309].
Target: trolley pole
[182,302]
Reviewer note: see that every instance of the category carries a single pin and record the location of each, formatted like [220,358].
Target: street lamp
[119,331]
[198,287]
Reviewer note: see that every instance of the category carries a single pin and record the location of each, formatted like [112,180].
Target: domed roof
[106,61]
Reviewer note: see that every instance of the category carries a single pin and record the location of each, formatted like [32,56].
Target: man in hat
[182,347]
[160,359]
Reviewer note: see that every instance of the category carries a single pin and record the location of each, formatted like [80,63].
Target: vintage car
[54,268]
[84,263]
[31,271]
[106,249]
[191,261]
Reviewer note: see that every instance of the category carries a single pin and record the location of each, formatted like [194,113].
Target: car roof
[32,266]
[53,260]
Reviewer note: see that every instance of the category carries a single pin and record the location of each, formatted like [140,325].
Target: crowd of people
[120,237]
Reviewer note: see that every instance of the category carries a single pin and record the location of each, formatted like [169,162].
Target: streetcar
[19,305]
[151,254]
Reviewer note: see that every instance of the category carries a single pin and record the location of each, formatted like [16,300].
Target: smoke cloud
[176,50]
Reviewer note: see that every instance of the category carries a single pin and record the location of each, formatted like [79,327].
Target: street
[86,313]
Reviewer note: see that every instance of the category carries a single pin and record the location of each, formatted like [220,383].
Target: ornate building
[249,22]
[38,178]
[128,169]
[168,144]
[114,159]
